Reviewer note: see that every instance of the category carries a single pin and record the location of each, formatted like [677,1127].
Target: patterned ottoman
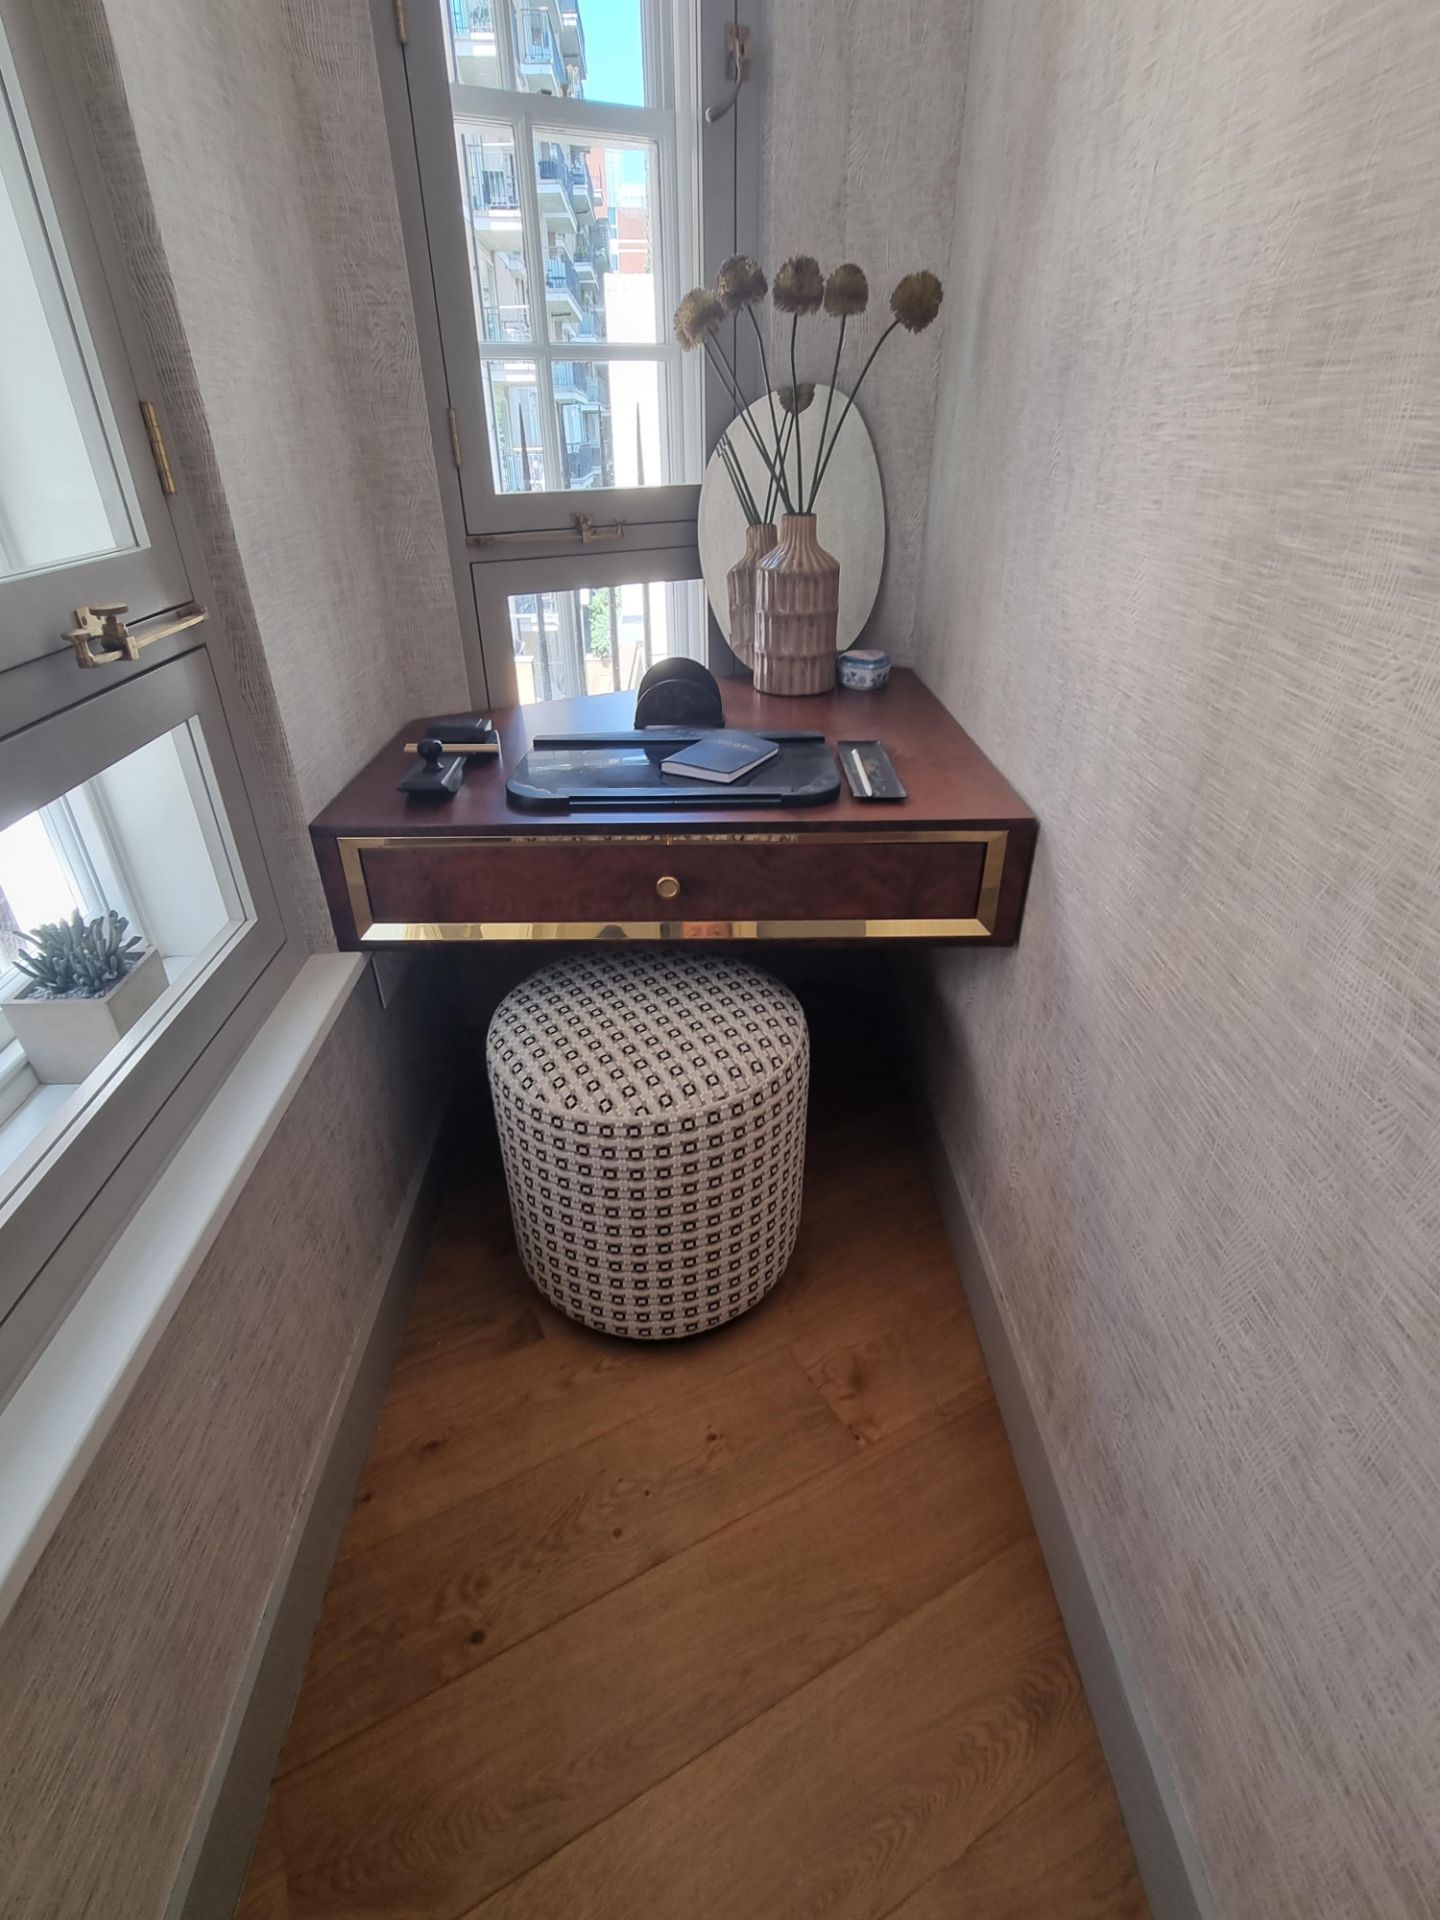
[652,1121]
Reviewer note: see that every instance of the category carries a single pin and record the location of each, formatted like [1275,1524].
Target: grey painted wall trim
[1165,1849]
[212,1870]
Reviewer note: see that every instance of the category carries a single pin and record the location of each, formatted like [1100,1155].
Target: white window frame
[67,1196]
[150,578]
[707,203]
[52,1183]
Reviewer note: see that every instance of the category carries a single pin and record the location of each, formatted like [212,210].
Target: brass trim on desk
[372,932]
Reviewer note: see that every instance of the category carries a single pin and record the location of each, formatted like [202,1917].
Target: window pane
[595,208]
[60,495]
[512,402]
[610,423]
[470,37]
[141,839]
[604,49]
[498,268]
[602,639]
[594,51]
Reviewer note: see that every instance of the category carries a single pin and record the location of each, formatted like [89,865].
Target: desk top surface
[948,778]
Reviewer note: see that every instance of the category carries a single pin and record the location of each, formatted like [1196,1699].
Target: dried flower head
[698,315]
[796,399]
[799,285]
[847,291]
[916,300]
[740,283]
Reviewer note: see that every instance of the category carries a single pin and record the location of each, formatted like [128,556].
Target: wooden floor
[750,1628]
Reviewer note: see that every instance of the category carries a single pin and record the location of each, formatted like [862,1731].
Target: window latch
[581,528]
[101,638]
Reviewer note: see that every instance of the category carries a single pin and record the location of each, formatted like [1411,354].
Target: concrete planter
[64,1040]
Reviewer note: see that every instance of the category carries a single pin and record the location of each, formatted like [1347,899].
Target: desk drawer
[682,888]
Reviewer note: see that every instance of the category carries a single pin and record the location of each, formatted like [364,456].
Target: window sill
[27,1105]
[54,1423]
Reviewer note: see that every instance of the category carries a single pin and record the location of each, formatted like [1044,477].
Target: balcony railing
[509,323]
[573,382]
[494,189]
[582,463]
[553,170]
[535,44]
[593,253]
[523,472]
[472,18]
[561,277]
[570,19]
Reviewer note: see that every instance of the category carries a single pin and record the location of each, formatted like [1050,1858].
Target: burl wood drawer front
[842,886]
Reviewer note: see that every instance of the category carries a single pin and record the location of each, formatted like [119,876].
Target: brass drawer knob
[668,887]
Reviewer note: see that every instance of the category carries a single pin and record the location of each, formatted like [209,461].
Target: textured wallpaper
[123,1653]
[1182,580]
[249,172]
[861,105]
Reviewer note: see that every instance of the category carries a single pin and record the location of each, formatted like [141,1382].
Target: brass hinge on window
[454,435]
[402,25]
[581,528]
[157,447]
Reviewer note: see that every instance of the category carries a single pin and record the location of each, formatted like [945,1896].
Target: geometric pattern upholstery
[651,1110]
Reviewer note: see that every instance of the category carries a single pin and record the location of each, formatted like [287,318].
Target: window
[121,789]
[81,506]
[601,639]
[557,151]
[142,839]
[578,240]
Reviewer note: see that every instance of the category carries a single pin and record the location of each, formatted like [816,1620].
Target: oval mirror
[849,514]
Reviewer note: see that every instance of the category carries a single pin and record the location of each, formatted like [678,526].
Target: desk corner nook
[948,863]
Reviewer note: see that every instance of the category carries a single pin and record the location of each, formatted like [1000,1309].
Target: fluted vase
[797,611]
[740,590]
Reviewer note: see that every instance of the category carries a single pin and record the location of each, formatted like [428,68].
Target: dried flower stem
[743,478]
[772,498]
[765,375]
[731,463]
[825,423]
[795,410]
[727,374]
[870,361]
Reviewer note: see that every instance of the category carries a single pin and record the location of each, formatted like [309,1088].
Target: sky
[612,51]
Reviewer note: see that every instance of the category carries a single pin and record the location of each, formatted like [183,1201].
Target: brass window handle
[101,638]
[739,52]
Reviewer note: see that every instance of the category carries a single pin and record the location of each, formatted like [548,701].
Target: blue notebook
[723,757]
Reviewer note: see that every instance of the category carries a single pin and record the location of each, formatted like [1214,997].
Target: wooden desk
[949,864]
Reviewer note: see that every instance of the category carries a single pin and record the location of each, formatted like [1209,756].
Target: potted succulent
[86,985]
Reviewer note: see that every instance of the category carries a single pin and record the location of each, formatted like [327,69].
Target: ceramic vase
[797,610]
[740,589]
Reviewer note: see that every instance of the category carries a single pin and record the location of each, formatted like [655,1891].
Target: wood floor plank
[266,1896]
[883,1381]
[472,1288]
[464,1422]
[742,1678]
[1063,1854]
[448,1800]
[436,1600]
[855,1789]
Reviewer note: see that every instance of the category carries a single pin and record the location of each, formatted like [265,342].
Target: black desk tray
[620,772]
